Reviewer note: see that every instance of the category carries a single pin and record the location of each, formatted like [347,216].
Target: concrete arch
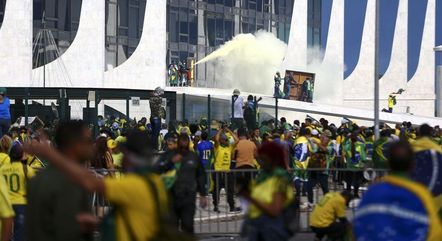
[16,44]
[146,67]
[359,85]
[396,75]
[84,60]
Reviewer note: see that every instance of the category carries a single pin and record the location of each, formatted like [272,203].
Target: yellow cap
[111,144]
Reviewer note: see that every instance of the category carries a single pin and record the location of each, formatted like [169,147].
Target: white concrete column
[359,85]
[396,75]
[420,94]
[16,44]
[296,57]
[439,91]
[330,73]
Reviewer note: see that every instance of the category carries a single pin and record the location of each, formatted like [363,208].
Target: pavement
[225,225]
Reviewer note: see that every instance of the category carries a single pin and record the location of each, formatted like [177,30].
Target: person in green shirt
[380,148]
[355,157]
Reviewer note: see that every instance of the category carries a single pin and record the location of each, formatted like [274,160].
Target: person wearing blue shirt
[205,150]
[5,115]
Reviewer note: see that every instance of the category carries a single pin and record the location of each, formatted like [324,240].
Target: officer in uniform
[190,179]
[156,113]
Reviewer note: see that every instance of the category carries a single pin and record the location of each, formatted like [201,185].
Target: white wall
[16,44]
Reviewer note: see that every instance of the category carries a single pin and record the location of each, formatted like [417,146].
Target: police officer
[190,179]
[277,90]
[156,113]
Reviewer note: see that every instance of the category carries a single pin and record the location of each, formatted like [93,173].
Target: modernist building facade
[128,43]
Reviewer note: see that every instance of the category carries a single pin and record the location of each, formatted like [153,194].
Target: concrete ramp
[296,109]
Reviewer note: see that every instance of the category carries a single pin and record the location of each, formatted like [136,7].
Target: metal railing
[223,185]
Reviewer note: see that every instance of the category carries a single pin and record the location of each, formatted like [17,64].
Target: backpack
[167,230]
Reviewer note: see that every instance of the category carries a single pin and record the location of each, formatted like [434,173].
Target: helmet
[158,91]
[115,126]
[236,92]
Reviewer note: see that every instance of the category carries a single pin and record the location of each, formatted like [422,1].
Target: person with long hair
[5,146]
[103,165]
[103,157]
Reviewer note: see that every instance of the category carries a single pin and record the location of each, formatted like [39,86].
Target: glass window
[228,30]
[37,11]
[210,30]
[219,28]
[184,28]
[133,22]
[193,29]
[230,3]
[123,13]
[173,26]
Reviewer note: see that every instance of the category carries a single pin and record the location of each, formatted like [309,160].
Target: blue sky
[354,19]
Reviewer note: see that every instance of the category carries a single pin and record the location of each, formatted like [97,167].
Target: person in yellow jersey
[329,209]
[5,146]
[139,197]
[269,195]
[6,212]
[17,174]
[222,164]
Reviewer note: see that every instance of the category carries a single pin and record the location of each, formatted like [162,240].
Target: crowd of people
[153,174]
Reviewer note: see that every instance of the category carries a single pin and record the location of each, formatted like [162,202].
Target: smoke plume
[248,62]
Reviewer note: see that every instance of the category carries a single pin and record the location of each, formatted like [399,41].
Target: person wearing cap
[277,90]
[5,113]
[117,155]
[238,110]
[157,112]
[135,196]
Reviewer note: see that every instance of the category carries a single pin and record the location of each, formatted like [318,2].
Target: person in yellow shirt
[6,212]
[136,201]
[330,208]
[269,196]
[16,174]
[222,164]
